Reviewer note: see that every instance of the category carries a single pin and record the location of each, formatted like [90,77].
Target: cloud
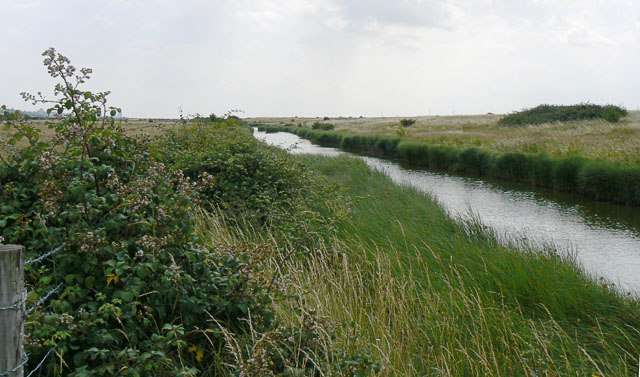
[19,5]
[319,57]
[407,13]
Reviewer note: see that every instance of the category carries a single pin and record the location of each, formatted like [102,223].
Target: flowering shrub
[141,295]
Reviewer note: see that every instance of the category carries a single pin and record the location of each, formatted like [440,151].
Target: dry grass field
[593,139]
[133,127]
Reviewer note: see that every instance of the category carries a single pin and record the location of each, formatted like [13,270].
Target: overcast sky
[329,57]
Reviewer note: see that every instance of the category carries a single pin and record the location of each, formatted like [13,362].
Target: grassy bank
[594,179]
[435,296]
[401,285]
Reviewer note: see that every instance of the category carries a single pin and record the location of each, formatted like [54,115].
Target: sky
[329,57]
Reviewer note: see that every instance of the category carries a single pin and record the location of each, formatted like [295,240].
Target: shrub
[612,114]
[251,179]
[322,126]
[555,113]
[407,122]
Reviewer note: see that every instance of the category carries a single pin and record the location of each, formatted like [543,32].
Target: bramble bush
[142,294]
[139,289]
[252,180]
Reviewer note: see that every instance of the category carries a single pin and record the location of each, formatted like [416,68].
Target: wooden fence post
[12,307]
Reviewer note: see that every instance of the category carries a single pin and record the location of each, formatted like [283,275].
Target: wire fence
[17,368]
[20,306]
[44,256]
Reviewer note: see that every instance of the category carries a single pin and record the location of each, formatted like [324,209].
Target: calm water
[605,238]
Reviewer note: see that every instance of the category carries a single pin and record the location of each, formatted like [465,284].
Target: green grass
[431,296]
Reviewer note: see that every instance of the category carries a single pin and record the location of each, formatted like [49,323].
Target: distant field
[593,139]
[132,127]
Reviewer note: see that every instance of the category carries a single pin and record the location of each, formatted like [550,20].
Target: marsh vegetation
[590,139]
[602,179]
[202,251]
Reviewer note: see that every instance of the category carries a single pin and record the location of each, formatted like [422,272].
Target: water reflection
[605,237]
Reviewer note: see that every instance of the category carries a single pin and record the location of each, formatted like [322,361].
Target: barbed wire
[45,255]
[15,306]
[20,305]
[10,372]
[24,362]
[41,362]
[44,298]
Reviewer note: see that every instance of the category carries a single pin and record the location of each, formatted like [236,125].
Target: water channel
[605,238]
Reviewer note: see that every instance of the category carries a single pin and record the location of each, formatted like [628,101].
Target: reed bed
[599,180]
[590,139]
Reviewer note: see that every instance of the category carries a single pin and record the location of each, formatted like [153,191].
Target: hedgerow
[143,293]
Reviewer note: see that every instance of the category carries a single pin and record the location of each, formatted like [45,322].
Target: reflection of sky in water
[604,245]
[295,144]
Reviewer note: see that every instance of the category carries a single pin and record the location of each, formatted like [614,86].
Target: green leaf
[45,280]
[113,113]
[127,296]
[141,272]
[68,104]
